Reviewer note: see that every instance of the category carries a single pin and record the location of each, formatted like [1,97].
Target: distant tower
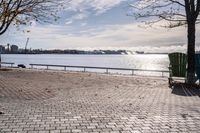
[26,45]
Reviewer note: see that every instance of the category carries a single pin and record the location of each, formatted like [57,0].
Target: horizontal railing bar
[89,67]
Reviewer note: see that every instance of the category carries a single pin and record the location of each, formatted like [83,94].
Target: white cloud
[86,36]
[78,16]
[96,5]
[83,8]
[68,22]
[127,36]
[101,6]
[83,24]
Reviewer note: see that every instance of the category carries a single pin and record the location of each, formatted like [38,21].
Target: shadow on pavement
[185,90]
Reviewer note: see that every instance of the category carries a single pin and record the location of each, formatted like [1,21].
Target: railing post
[106,70]
[132,72]
[84,69]
[65,68]
[31,66]
[47,67]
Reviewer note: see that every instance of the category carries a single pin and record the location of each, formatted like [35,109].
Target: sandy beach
[50,101]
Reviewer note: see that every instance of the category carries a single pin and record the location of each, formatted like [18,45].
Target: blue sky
[98,24]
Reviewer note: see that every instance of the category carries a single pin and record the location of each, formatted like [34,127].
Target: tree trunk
[0,60]
[191,53]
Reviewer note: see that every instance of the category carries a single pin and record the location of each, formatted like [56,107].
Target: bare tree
[175,13]
[18,12]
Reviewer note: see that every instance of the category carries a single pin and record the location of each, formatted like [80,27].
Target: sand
[30,84]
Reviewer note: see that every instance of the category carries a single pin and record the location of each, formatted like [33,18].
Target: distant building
[14,49]
[8,48]
[2,49]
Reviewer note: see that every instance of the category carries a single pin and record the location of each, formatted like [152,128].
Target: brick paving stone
[43,132]
[55,131]
[6,130]
[65,131]
[40,102]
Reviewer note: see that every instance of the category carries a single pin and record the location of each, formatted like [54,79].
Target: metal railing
[103,68]
[7,63]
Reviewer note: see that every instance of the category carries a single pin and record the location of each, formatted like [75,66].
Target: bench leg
[170,82]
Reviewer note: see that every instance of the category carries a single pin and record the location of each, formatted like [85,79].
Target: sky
[99,24]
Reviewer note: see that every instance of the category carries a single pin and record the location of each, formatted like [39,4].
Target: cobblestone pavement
[32,102]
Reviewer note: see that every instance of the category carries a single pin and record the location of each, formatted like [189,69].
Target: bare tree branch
[177,2]
[177,11]
[24,11]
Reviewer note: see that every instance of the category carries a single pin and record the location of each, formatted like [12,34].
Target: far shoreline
[79,54]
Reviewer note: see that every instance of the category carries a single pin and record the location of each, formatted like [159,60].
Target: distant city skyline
[102,24]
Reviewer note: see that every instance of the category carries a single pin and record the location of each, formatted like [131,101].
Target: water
[140,61]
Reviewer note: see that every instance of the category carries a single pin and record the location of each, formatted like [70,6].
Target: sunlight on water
[140,61]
